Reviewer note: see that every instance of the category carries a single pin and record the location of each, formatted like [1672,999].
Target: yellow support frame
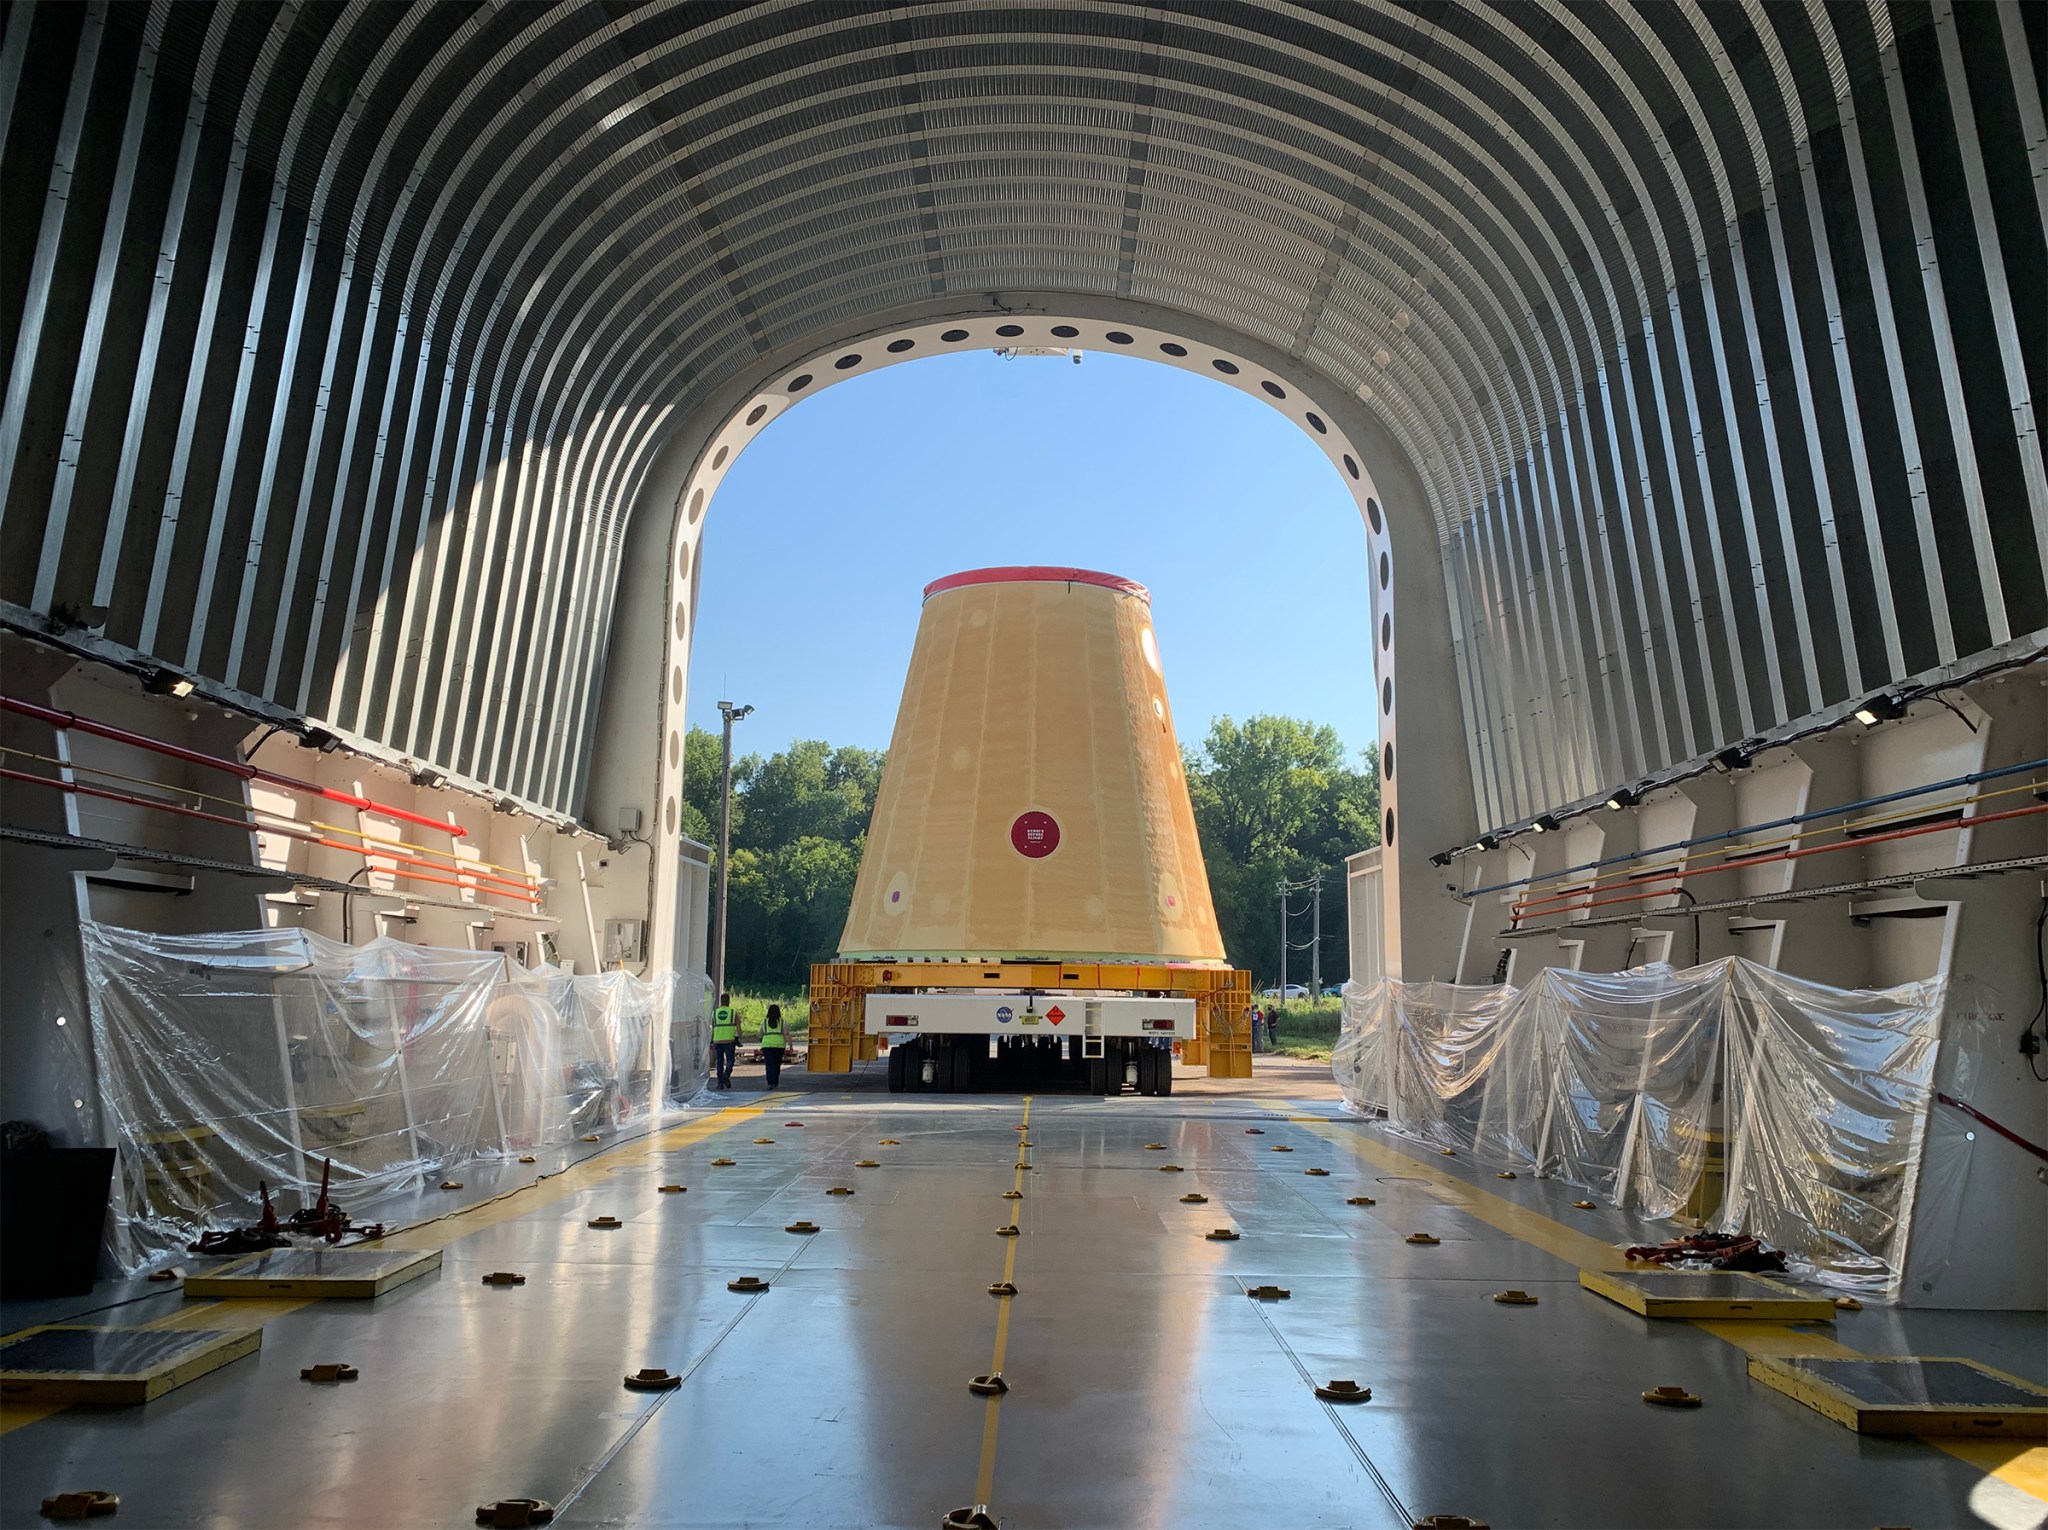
[1222,995]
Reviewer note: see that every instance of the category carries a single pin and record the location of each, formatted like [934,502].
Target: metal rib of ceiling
[341,337]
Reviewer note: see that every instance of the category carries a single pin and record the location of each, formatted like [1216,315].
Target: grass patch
[752,1008]
[1305,1031]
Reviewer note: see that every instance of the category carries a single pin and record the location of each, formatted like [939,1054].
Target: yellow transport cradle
[1909,1394]
[1222,995]
[1707,1294]
[83,1363]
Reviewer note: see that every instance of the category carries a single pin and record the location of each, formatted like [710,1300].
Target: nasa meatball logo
[1035,835]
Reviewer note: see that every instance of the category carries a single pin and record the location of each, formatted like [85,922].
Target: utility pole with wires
[1314,944]
[731,714]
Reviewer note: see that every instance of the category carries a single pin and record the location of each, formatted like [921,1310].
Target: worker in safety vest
[772,1043]
[725,1040]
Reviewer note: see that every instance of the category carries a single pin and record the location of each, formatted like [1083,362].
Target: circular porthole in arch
[1372,515]
[954,336]
[1388,837]
[898,347]
[847,362]
[1387,696]
[675,685]
[1227,368]
[1387,760]
[1118,337]
[1009,331]
[800,382]
[679,618]
[675,750]
[1273,389]
[757,414]
[1171,349]
[696,506]
[1350,466]
[1387,630]
[1386,571]
[1065,331]
[718,461]
[670,815]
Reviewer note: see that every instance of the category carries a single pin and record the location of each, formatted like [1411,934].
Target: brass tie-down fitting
[591,1137]
[515,1513]
[327,1373]
[1450,1522]
[1013,1195]
[891,1142]
[1361,1200]
[1021,1164]
[1222,1235]
[1424,1240]
[86,1503]
[721,1163]
[671,1189]
[1269,1293]
[1672,1397]
[451,1184]
[604,1222]
[1007,1230]
[1026,1142]
[1515,1298]
[1255,1131]
[504,1278]
[1171,1168]
[1003,1288]
[1319,1173]
[1155,1147]
[972,1517]
[1192,1199]
[991,1385]
[1505,1174]
[801,1227]
[747,1285]
[1344,1392]
[764,1142]
[528,1158]
[652,1379]
[1846,1303]
[1280,1148]
[1448,1152]
[840,1190]
[867,1163]
[171,1274]
[1583,1205]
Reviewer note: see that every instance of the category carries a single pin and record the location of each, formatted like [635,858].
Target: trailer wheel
[1148,1070]
[1164,1077]
[1097,1067]
[1112,1072]
[896,1055]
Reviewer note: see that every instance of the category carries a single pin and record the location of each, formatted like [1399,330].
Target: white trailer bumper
[982,1013]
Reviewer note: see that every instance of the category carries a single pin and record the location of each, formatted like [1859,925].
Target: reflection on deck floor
[1144,1386]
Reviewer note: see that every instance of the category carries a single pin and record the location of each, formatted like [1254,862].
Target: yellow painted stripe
[985,1475]
[2021,1466]
[242,1314]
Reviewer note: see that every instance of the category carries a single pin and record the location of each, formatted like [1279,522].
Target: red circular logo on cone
[1035,834]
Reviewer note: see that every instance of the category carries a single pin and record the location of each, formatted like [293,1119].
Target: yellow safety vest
[771,1034]
[724,1027]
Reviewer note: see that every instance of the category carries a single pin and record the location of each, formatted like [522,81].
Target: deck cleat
[504,1278]
[1255,1131]
[1514,1298]
[1672,1397]
[1344,1392]
[1317,1173]
[1448,1152]
[721,1163]
[840,1190]
[1013,1195]
[165,1275]
[1583,1205]
[515,1513]
[971,1517]
[528,1158]
[747,1285]
[592,1137]
[764,1142]
[1844,1303]
[1223,1235]
[891,1142]
[801,1227]
[1280,1148]
[604,1222]
[451,1184]
[1003,1288]
[1026,1142]
[653,1379]
[1360,1200]
[1007,1230]
[1269,1293]
[1424,1240]
[797,1124]
[1192,1199]
[1155,1147]
[329,1373]
[1450,1522]
[1505,1174]
[991,1385]
[1171,1168]
[671,1189]
[867,1163]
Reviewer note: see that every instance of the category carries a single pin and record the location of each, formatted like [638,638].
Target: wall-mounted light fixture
[1883,707]
[159,681]
[426,775]
[1545,824]
[1624,797]
[1734,757]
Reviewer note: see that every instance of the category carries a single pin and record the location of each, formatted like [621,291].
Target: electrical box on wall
[515,950]
[622,940]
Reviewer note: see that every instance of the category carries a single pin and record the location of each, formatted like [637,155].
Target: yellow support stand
[1223,996]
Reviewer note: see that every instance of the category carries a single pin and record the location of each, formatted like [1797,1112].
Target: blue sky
[830,525]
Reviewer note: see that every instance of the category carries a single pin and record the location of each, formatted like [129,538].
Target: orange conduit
[57,719]
[470,881]
[1554,901]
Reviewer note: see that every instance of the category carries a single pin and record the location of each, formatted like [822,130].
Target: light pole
[731,714]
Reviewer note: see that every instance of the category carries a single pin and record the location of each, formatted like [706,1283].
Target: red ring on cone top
[1038,574]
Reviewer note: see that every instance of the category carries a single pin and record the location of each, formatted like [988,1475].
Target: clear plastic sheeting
[1641,1085]
[226,1060]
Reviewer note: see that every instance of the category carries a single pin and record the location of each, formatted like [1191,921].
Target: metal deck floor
[1146,1388]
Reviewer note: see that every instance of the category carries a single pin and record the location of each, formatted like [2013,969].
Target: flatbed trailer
[948,1025]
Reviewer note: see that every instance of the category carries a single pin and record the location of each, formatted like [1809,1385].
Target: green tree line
[1274,798]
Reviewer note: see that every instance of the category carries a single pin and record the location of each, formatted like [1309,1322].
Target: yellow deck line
[985,1475]
[242,1314]
[2021,1466]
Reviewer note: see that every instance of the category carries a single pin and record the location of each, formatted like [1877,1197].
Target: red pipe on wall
[470,879]
[57,719]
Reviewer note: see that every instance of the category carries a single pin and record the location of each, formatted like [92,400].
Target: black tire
[1098,1068]
[1113,1072]
[1165,1075]
[1149,1070]
[897,1054]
